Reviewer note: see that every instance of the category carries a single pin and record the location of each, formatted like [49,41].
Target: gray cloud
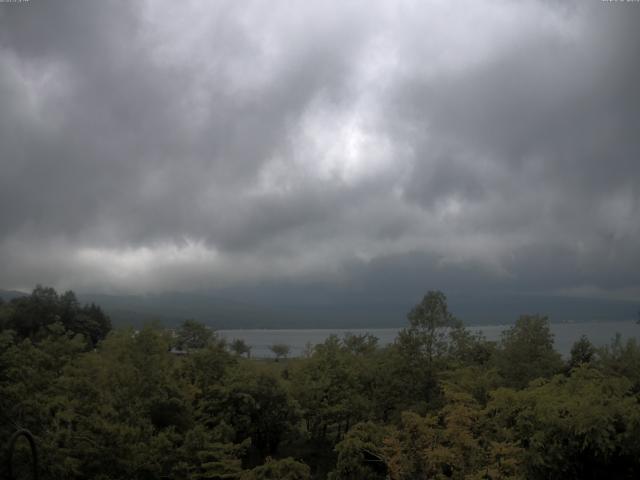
[159,146]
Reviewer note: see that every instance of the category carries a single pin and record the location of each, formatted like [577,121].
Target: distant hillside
[292,309]
[303,307]
[7,295]
[172,308]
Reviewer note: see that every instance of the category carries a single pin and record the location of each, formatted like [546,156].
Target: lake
[565,334]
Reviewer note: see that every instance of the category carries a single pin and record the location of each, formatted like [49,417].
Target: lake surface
[565,334]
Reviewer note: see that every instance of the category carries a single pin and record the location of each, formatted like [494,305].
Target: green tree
[360,454]
[526,352]
[285,469]
[455,442]
[240,347]
[429,322]
[206,370]
[621,359]
[280,350]
[332,388]
[582,351]
[419,353]
[258,406]
[29,316]
[207,454]
[193,335]
[582,426]
[363,344]
[35,311]
[472,447]
[469,349]
[93,323]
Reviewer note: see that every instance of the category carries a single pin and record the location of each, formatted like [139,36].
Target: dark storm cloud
[541,141]
[121,140]
[163,146]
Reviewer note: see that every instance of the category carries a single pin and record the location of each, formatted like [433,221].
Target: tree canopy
[441,402]
[30,316]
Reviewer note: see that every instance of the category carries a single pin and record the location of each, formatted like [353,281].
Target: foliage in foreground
[440,403]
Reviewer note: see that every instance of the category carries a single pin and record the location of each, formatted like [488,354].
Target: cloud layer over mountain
[148,146]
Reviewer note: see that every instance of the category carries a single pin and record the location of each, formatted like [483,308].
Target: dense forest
[440,402]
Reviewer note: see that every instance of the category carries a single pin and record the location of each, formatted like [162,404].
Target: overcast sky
[193,145]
